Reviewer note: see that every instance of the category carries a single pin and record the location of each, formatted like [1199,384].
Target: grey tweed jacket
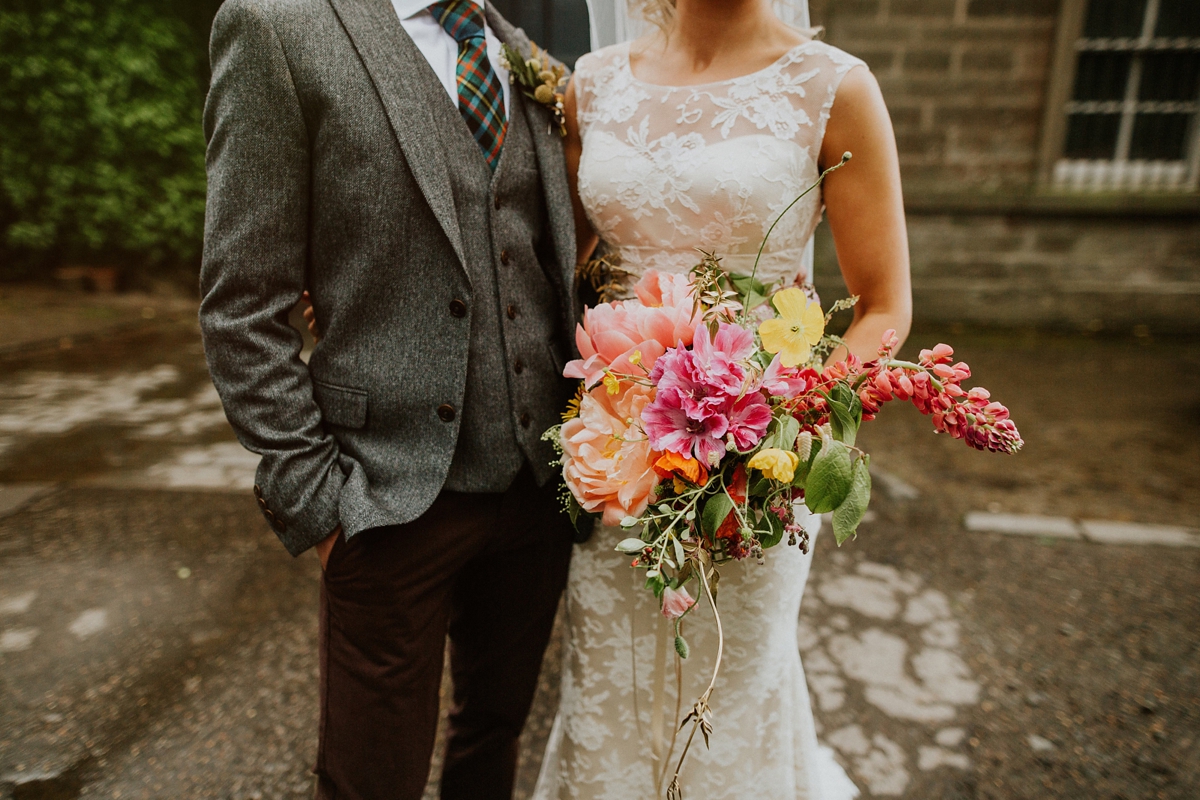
[323,175]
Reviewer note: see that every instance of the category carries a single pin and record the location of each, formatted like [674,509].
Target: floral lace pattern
[664,171]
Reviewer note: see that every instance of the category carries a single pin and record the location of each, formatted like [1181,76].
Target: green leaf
[681,647]
[829,480]
[842,421]
[679,554]
[774,530]
[849,514]
[631,547]
[782,432]
[715,511]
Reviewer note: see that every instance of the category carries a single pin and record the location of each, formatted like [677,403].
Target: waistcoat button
[512,312]
[519,367]
[504,259]
[446,412]
[496,202]
[525,420]
[458,308]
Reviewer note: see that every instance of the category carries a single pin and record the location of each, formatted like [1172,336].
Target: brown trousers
[487,569]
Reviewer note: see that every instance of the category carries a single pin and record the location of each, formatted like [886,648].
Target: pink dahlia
[749,417]
[670,427]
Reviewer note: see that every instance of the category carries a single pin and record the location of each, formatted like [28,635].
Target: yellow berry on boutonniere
[540,79]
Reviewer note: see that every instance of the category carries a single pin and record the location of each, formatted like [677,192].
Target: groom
[373,153]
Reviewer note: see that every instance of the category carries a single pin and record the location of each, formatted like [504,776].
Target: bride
[697,135]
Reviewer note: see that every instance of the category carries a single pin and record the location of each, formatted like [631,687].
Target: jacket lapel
[552,166]
[393,60]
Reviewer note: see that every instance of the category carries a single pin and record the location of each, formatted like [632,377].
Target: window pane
[1160,137]
[1102,76]
[1092,135]
[1170,76]
[1178,18]
[1107,18]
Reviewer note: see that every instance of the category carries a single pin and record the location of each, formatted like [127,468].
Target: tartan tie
[480,95]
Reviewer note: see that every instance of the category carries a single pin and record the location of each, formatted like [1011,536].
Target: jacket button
[458,308]
[496,202]
[446,412]
[525,420]
[512,312]
[504,257]
[519,367]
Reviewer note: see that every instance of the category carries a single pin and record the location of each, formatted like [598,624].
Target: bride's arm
[585,237]
[865,208]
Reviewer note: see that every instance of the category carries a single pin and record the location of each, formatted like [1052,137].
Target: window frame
[1059,175]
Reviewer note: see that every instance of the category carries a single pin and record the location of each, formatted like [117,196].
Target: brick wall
[965,81]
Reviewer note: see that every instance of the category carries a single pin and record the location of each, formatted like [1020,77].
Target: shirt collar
[410,8]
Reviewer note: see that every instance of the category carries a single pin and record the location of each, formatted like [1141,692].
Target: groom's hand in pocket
[325,546]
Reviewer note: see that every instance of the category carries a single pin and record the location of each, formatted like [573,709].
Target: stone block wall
[966,82]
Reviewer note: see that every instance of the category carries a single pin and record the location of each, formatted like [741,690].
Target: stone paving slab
[1098,531]
[1022,525]
[1133,533]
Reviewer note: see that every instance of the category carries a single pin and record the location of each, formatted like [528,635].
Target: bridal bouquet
[706,416]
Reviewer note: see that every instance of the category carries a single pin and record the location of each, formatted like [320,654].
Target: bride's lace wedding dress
[666,170]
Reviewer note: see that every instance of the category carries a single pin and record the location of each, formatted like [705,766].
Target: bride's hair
[658,12]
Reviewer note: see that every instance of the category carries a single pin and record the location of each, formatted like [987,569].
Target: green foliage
[847,516]
[829,480]
[101,146]
[718,507]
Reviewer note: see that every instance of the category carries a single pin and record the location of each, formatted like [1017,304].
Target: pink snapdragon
[935,388]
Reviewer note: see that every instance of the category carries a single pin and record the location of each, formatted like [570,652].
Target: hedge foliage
[101,147]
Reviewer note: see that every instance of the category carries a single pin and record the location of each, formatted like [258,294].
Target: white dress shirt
[440,49]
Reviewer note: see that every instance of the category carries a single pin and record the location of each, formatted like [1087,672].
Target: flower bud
[804,443]
[543,94]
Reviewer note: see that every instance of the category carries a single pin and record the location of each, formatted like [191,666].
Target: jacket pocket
[341,405]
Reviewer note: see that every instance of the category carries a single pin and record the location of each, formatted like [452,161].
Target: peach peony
[629,335]
[607,462]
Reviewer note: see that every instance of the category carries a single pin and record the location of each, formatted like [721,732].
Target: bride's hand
[310,317]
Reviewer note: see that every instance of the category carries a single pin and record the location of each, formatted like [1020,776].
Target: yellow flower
[636,358]
[776,464]
[612,384]
[796,330]
[573,405]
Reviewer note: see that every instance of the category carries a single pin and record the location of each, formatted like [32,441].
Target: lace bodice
[666,170]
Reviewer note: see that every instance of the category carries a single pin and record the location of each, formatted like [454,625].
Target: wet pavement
[157,642]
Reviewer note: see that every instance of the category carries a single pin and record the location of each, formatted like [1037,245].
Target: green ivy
[101,146]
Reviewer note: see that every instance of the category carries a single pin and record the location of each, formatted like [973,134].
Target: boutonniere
[540,80]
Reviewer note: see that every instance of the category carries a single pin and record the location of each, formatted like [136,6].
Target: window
[1128,82]
[561,26]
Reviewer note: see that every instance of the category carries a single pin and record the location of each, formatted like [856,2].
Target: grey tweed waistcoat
[337,163]
[514,350]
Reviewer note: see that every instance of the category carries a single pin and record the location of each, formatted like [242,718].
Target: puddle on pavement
[116,410]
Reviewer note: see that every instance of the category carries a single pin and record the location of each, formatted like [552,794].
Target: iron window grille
[1131,120]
